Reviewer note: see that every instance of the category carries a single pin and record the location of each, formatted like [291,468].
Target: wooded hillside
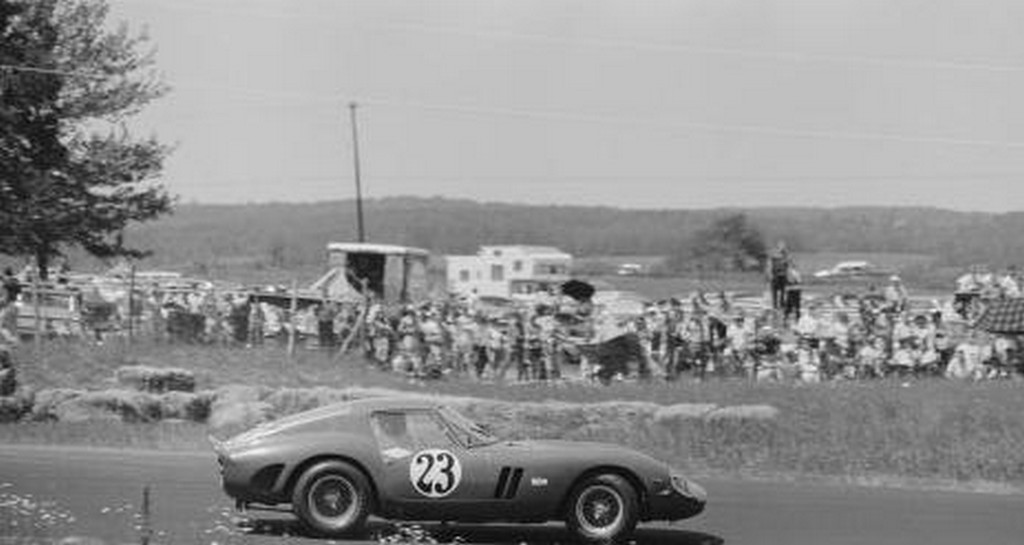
[294,235]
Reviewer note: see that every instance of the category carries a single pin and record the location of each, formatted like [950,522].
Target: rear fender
[299,469]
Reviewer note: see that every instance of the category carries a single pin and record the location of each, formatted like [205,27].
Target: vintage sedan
[414,459]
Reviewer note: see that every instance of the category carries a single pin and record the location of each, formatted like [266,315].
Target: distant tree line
[294,235]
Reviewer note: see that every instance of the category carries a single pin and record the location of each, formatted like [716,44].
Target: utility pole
[355,163]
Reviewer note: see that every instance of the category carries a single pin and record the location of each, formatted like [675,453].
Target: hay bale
[80,540]
[293,400]
[156,379]
[744,412]
[125,405]
[80,410]
[46,401]
[237,417]
[185,406]
[237,407]
[13,408]
[240,393]
[680,412]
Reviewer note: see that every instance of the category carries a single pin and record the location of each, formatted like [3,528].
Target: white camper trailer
[514,271]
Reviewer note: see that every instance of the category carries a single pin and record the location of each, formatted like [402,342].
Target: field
[918,271]
[931,430]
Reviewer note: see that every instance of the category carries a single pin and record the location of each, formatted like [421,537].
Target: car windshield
[469,432]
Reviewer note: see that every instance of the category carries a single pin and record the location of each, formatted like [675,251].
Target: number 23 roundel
[435,473]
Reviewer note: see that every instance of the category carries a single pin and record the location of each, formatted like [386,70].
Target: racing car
[412,459]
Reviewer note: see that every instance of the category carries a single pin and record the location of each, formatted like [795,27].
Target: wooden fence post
[37,339]
[292,309]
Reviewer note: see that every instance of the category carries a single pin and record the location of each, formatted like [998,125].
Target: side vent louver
[508,483]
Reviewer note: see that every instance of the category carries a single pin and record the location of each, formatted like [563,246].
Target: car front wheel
[332,499]
[602,509]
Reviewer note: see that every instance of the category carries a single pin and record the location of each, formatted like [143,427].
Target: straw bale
[682,411]
[46,401]
[237,417]
[156,379]
[13,408]
[194,407]
[744,412]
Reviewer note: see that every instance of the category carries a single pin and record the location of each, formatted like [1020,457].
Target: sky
[651,104]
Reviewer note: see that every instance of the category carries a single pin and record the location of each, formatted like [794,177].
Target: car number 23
[435,473]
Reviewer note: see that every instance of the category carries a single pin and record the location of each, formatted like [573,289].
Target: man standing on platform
[777,270]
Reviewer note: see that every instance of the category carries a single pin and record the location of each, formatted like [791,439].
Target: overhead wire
[574,117]
[261,95]
[638,45]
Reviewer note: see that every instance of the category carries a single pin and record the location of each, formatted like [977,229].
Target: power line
[712,50]
[573,117]
[705,126]
[561,116]
[605,43]
[606,178]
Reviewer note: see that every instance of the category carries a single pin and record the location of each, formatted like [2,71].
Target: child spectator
[872,358]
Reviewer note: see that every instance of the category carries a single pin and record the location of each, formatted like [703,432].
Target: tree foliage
[72,172]
[730,243]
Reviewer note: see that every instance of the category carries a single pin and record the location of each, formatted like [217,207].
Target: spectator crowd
[875,334]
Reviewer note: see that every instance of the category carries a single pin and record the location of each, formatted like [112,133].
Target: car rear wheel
[332,499]
[602,509]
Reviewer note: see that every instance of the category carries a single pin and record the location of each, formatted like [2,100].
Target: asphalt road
[98,493]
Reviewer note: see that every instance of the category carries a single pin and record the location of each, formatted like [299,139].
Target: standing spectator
[518,333]
[326,312]
[497,343]
[673,333]
[433,339]
[968,289]
[8,375]
[1008,286]
[256,319]
[968,361]
[11,286]
[8,309]
[463,331]
[481,354]
[794,293]
[777,271]
[871,358]
[407,359]
[808,361]
[896,295]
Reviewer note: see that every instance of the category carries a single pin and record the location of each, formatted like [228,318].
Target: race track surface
[98,492]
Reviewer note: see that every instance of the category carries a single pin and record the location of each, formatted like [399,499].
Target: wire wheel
[599,510]
[333,501]
[603,509]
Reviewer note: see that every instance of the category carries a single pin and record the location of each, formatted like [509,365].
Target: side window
[427,431]
[402,434]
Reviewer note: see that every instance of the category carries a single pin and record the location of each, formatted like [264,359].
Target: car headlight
[688,488]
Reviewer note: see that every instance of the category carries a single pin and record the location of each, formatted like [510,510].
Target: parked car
[413,459]
[852,269]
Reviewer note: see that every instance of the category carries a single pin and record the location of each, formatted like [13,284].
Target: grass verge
[929,429]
